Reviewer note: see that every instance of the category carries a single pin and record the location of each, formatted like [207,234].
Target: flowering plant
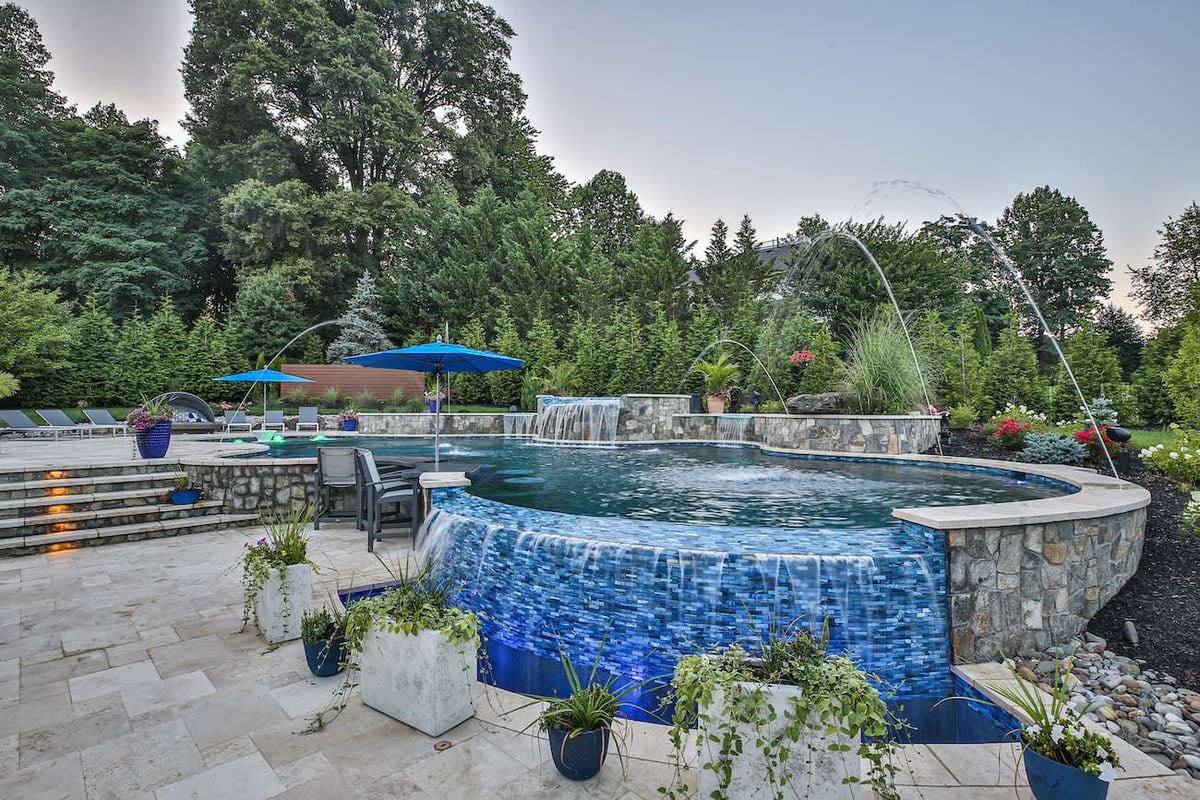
[149,414]
[1180,461]
[1095,445]
[284,545]
[438,396]
[230,406]
[348,414]
[802,357]
[1010,434]
[1054,732]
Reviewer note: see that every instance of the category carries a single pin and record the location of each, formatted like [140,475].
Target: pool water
[705,484]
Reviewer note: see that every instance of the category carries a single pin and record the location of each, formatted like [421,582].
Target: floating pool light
[320,437]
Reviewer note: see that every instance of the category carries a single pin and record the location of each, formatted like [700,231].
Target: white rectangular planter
[282,601]
[424,681]
[814,771]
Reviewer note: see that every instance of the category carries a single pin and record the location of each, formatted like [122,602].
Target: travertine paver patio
[123,674]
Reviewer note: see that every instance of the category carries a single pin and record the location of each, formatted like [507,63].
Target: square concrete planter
[282,601]
[424,681]
[814,771]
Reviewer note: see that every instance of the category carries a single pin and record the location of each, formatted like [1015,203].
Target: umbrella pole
[264,421]
[437,420]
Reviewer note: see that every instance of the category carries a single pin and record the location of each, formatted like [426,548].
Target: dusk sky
[782,109]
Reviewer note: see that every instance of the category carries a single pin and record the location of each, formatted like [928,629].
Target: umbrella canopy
[439,358]
[263,376]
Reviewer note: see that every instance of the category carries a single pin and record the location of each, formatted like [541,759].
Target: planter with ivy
[790,720]
[277,576]
[416,653]
[324,635]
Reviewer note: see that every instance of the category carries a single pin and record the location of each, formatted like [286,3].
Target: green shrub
[1191,519]
[1049,448]
[878,374]
[963,416]
[364,399]
[1179,461]
[332,396]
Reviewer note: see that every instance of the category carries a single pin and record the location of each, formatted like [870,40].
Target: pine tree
[541,348]
[1010,374]
[664,352]
[93,374]
[623,337]
[468,387]
[592,362]
[207,359]
[361,325]
[171,341]
[506,384]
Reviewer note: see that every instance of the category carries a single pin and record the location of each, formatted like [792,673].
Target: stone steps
[75,520]
[89,484]
[65,472]
[40,543]
[37,506]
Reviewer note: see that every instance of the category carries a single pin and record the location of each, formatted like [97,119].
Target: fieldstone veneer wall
[247,485]
[829,433]
[650,417]
[1023,581]
[422,424]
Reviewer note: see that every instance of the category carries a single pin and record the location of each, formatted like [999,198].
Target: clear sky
[785,108]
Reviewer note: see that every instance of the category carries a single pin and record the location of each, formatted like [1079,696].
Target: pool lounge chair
[308,419]
[57,418]
[101,418]
[237,419]
[274,421]
[18,422]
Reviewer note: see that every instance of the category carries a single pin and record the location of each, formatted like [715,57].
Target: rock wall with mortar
[247,485]
[422,424]
[1025,587]
[894,435]
[650,417]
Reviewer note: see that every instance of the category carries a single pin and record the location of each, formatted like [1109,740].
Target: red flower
[802,357]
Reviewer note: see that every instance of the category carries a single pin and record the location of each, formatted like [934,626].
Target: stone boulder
[826,403]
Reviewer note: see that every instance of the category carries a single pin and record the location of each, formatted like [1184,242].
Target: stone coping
[809,416]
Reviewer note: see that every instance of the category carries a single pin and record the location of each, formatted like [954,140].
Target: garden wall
[352,379]
[887,435]
[422,424]
[248,485]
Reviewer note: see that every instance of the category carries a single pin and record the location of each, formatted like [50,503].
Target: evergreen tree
[537,279]
[712,269]
[755,276]
[171,340]
[591,360]
[92,374]
[506,384]
[137,374]
[265,313]
[208,358]
[612,212]
[656,268]
[1097,370]
[1010,374]
[361,325]
[471,388]
[1149,381]
[623,337]
[1124,334]
[664,352]
[541,349]
[701,331]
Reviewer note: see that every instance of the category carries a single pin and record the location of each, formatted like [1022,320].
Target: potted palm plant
[720,376]
[416,652]
[324,635]
[789,718]
[580,725]
[277,575]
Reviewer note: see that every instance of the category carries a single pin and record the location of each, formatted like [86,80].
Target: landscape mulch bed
[1163,596]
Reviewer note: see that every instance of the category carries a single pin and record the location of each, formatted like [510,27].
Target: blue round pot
[185,497]
[433,406]
[325,657]
[154,441]
[1050,780]
[349,424]
[581,756]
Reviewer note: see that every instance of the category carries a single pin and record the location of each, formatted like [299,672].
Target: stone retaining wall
[892,435]
[247,485]
[1027,587]
[422,424]
[649,417]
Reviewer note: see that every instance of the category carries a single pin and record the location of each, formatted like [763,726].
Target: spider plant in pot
[719,379]
[580,725]
[786,719]
[1062,758]
[324,635]
[277,575]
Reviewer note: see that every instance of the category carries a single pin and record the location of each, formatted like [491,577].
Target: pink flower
[802,357]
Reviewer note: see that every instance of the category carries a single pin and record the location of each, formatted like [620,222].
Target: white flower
[1033,730]
[1056,734]
[1108,773]
[1174,426]
[1174,455]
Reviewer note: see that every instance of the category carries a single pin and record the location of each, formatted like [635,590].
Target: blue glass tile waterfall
[546,582]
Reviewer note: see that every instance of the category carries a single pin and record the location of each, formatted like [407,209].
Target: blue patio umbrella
[263,376]
[439,358]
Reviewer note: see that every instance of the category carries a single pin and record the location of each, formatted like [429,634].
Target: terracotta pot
[716,404]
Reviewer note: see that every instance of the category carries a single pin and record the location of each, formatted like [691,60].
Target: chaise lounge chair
[57,418]
[102,418]
[237,419]
[18,422]
[308,419]
[274,421]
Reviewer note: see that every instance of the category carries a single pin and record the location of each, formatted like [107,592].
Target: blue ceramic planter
[154,441]
[349,424]
[185,497]
[325,657]
[578,757]
[1050,780]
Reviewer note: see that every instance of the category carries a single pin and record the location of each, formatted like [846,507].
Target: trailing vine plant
[284,545]
[724,694]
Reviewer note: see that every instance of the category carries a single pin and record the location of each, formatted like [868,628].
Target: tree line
[372,163]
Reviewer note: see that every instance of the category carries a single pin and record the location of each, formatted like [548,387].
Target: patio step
[9,477]
[75,520]
[61,504]
[87,484]
[88,537]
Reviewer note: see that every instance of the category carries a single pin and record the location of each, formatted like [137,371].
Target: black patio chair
[335,470]
[378,493]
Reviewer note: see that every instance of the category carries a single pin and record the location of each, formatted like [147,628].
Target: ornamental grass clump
[725,693]
[878,374]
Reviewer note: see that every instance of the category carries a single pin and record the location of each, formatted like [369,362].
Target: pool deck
[124,674]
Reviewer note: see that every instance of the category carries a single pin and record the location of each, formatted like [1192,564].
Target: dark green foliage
[471,388]
[1161,287]
[1059,253]
[1097,371]
[623,340]
[1124,335]
[506,385]
[1010,374]
[266,314]
[1149,385]
[91,375]
[609,209]
[664,352]
[656,268]
[34,329]
[782,335]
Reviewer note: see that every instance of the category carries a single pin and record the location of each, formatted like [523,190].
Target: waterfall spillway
[519,424]
[733,427]
[578,419]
